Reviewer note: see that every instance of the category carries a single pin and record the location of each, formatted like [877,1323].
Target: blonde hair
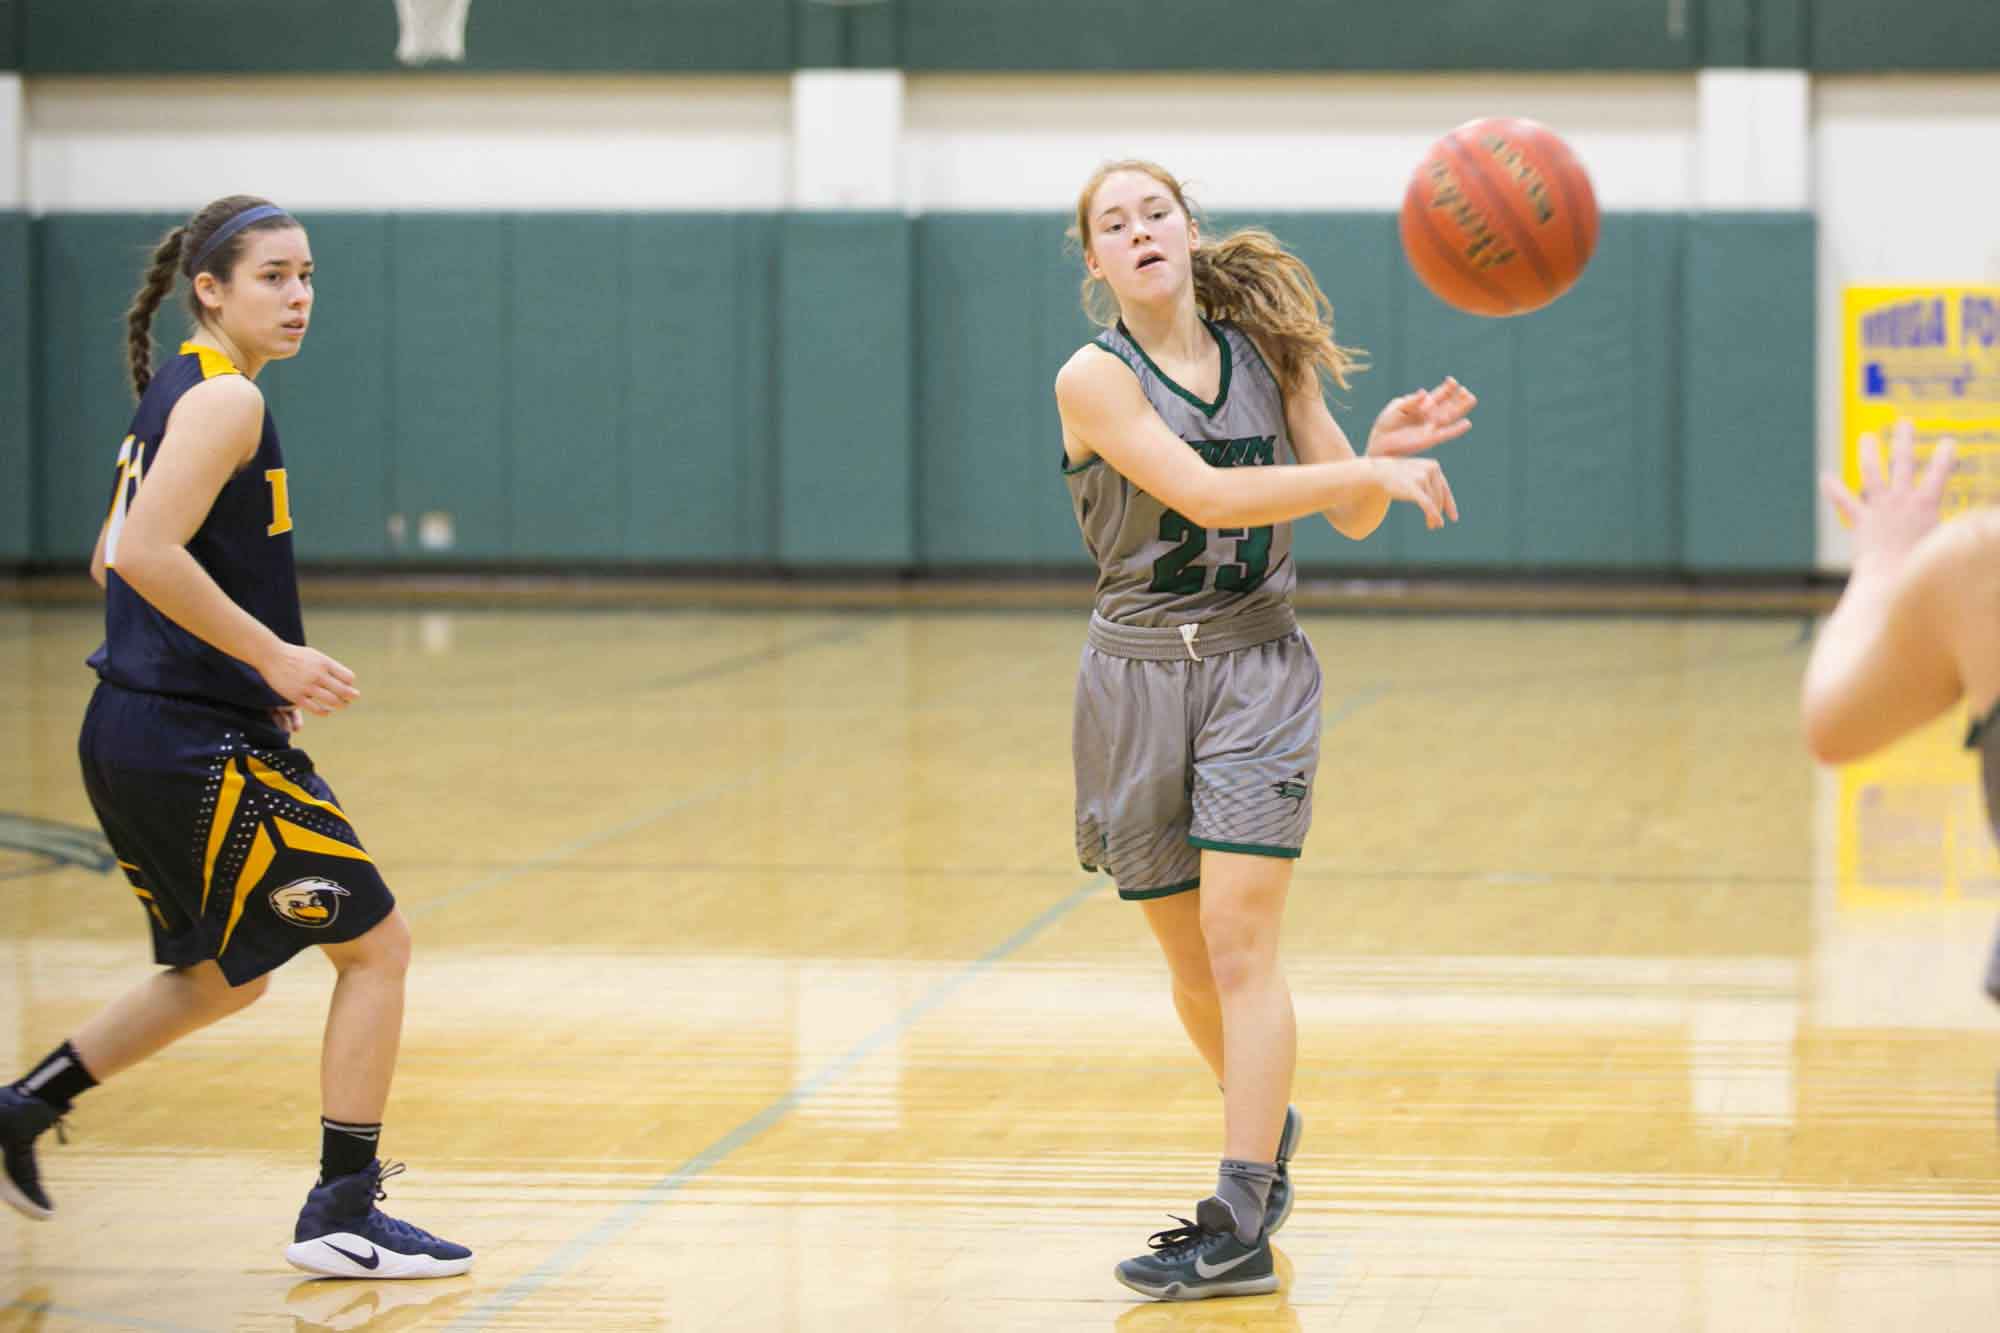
[1246,278]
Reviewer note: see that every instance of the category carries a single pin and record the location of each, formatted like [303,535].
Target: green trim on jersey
[1141,895]
[1221,389]
[1085,466]
[1246,848]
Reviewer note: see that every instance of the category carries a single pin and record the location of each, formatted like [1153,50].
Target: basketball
[1499,217]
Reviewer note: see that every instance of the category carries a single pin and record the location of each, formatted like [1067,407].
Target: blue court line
[626,1217]
[99,1318]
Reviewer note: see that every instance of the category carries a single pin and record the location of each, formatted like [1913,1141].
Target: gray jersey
[1155,567]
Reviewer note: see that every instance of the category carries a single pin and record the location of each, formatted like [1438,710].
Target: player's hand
[309,679]
[1422,420]
[291,721]
[1898,506]
[1418,481]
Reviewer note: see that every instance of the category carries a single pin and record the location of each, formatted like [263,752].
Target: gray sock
[1244,1186]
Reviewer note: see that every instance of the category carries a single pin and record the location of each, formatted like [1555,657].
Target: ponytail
[1252,281]
[158,283]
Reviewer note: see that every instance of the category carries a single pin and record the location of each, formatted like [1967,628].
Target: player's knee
[385,948]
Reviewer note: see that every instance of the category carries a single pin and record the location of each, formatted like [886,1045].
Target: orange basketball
[1499,218]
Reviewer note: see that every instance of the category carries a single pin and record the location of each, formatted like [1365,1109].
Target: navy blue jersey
[245,544]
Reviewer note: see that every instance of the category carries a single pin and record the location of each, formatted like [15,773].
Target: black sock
[344,1148]
[59,1079]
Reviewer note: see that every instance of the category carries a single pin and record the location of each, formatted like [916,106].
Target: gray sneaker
[1278,1204]
[1200,1259]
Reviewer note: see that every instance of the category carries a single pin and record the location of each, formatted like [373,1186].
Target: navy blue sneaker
[1202,1258]
[1278,1204]
[341,1233]
[22,1120]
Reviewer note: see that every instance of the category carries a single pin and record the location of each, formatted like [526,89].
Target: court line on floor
[566,1258]
[624,1218]
[832,634]
[96,1317]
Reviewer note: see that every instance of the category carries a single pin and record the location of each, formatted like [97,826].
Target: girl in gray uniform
[1194,431]
[1917,627]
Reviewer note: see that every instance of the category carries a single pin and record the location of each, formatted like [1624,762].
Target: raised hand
[1897,508]
[1422,420]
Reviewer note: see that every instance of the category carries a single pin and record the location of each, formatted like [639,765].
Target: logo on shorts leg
[1292,789]
[312,903]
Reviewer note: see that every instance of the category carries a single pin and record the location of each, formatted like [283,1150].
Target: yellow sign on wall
[1913,831]
[1931,354]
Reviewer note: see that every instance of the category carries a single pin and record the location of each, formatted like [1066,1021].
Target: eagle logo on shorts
[1292,789]
[312,903]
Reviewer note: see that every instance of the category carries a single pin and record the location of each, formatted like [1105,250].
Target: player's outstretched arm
[1888,659]
[1104,411]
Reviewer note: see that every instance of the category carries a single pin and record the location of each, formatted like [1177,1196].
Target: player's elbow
[1831,735]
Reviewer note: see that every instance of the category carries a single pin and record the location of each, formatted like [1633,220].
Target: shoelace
[1177,1241]
[395,1226]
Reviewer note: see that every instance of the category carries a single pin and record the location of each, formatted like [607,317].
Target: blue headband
[228,229]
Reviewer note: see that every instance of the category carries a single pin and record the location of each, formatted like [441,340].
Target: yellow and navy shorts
[238,851]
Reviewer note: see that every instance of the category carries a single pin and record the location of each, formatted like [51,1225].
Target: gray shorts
[1175,756]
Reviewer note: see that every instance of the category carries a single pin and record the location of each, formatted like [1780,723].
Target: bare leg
[1243,903]
[158,1012]
[364,1022]
[1176,923]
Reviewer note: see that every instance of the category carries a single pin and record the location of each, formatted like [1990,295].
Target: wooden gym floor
[757,988]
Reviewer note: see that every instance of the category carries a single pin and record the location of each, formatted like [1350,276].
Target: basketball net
[431,30]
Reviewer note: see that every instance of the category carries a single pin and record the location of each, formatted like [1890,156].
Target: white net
[431,30]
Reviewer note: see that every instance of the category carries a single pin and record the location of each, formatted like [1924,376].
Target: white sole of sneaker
[344,1255]
[1176,1291]
[21,1203]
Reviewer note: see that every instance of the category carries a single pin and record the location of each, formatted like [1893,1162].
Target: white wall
[1276,141]
[409,142]
[968,142]
[1907,176]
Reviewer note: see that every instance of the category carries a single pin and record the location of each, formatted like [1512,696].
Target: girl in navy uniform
[1194,432]
[239,853]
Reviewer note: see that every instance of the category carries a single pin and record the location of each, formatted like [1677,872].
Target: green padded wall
[168,36]
[1292,35]
[447,390]
[10,34]
[331,403]
[17,415]
[1938,35]
[837,391]
[997,315]
[87,267]
[844,346]
[1747,393]
[701,312]
[165,36]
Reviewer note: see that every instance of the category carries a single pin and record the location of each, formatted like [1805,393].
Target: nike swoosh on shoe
[1206,1269]
[373,1260]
